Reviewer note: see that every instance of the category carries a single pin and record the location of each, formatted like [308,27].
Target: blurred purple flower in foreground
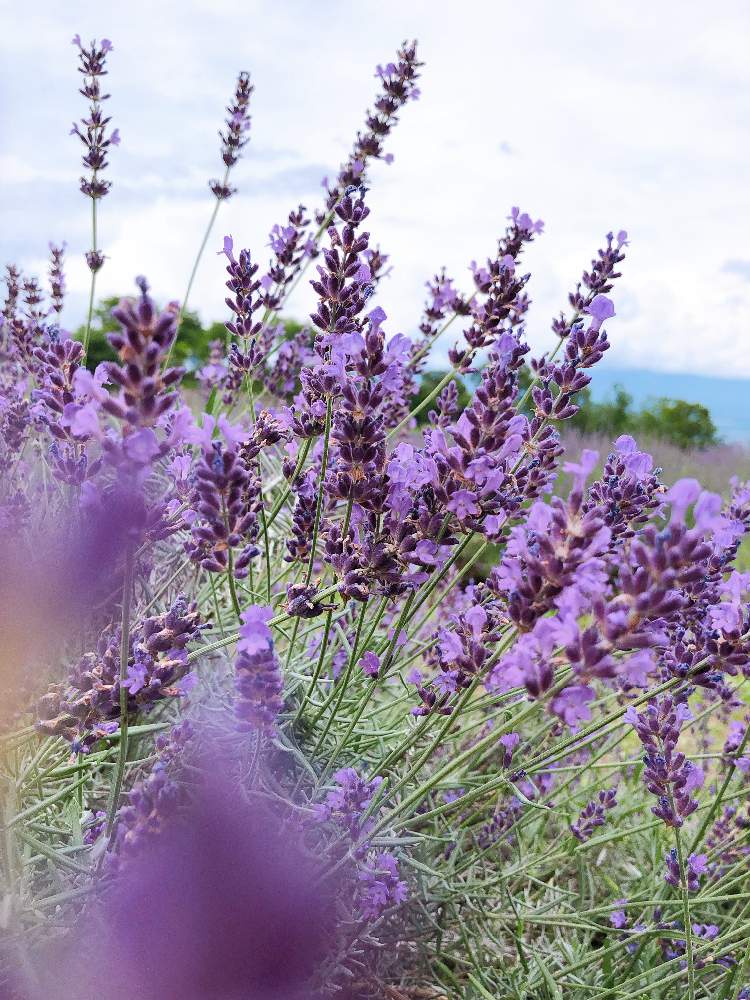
[225,904]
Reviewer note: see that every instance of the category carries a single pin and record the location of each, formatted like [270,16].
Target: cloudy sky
[593,117]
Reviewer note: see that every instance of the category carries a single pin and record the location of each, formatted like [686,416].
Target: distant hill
[728,399]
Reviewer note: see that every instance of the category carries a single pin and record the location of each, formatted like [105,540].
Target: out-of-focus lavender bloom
[248,911]
[369,664]
[151,804]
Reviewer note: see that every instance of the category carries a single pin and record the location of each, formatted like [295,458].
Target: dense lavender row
[526,783]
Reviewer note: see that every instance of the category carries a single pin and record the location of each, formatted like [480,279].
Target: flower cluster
[695,866]
[225,502]
[399,86]
[668,774]
[88,706]
[258,681]
[593,814]
[93,131]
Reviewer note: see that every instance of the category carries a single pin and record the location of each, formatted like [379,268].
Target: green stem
[127,593]
[319,502]
[233,588]
[343,685]
[448,377]
[686,915]
[87,334]
[196,265]
[288,489]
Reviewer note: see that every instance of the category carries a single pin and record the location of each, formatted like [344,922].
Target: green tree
[612,416]
[688,425]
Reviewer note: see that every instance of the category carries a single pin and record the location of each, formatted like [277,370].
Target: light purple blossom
[381,886]
[254,631]
[369,664]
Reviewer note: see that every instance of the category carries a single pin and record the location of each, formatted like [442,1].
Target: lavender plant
[433,780]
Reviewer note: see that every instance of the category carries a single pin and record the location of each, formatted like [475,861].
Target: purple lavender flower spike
[381,886]
[346,804]
[93,131]
[226,501]
[593,815]
[695,866]
[369,664]
[88,706]
[399,86]
[248,909]
[57,278]
[667,774]
[236,134]
[258,682]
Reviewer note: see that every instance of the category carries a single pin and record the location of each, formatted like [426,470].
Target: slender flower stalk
[234,138]
[119,771]
[686,914]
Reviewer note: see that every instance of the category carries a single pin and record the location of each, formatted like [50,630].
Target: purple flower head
[370,664]
[255,634]
[619,918]
[258,679]
[593,815]
[398,81]
[451,646]
[524,221]
[667,774]
[695,866]
[681,496]
[707,512]
[345,804]
[93,129]
[463,504]
[509,742]
[638,668]
[572,704]
[601,308]
[381,887]
[236,134]
[581,471]
[82,710]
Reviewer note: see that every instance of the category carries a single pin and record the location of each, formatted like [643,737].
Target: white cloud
[632,117]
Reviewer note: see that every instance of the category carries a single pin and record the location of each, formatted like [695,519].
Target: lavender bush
[267,730]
